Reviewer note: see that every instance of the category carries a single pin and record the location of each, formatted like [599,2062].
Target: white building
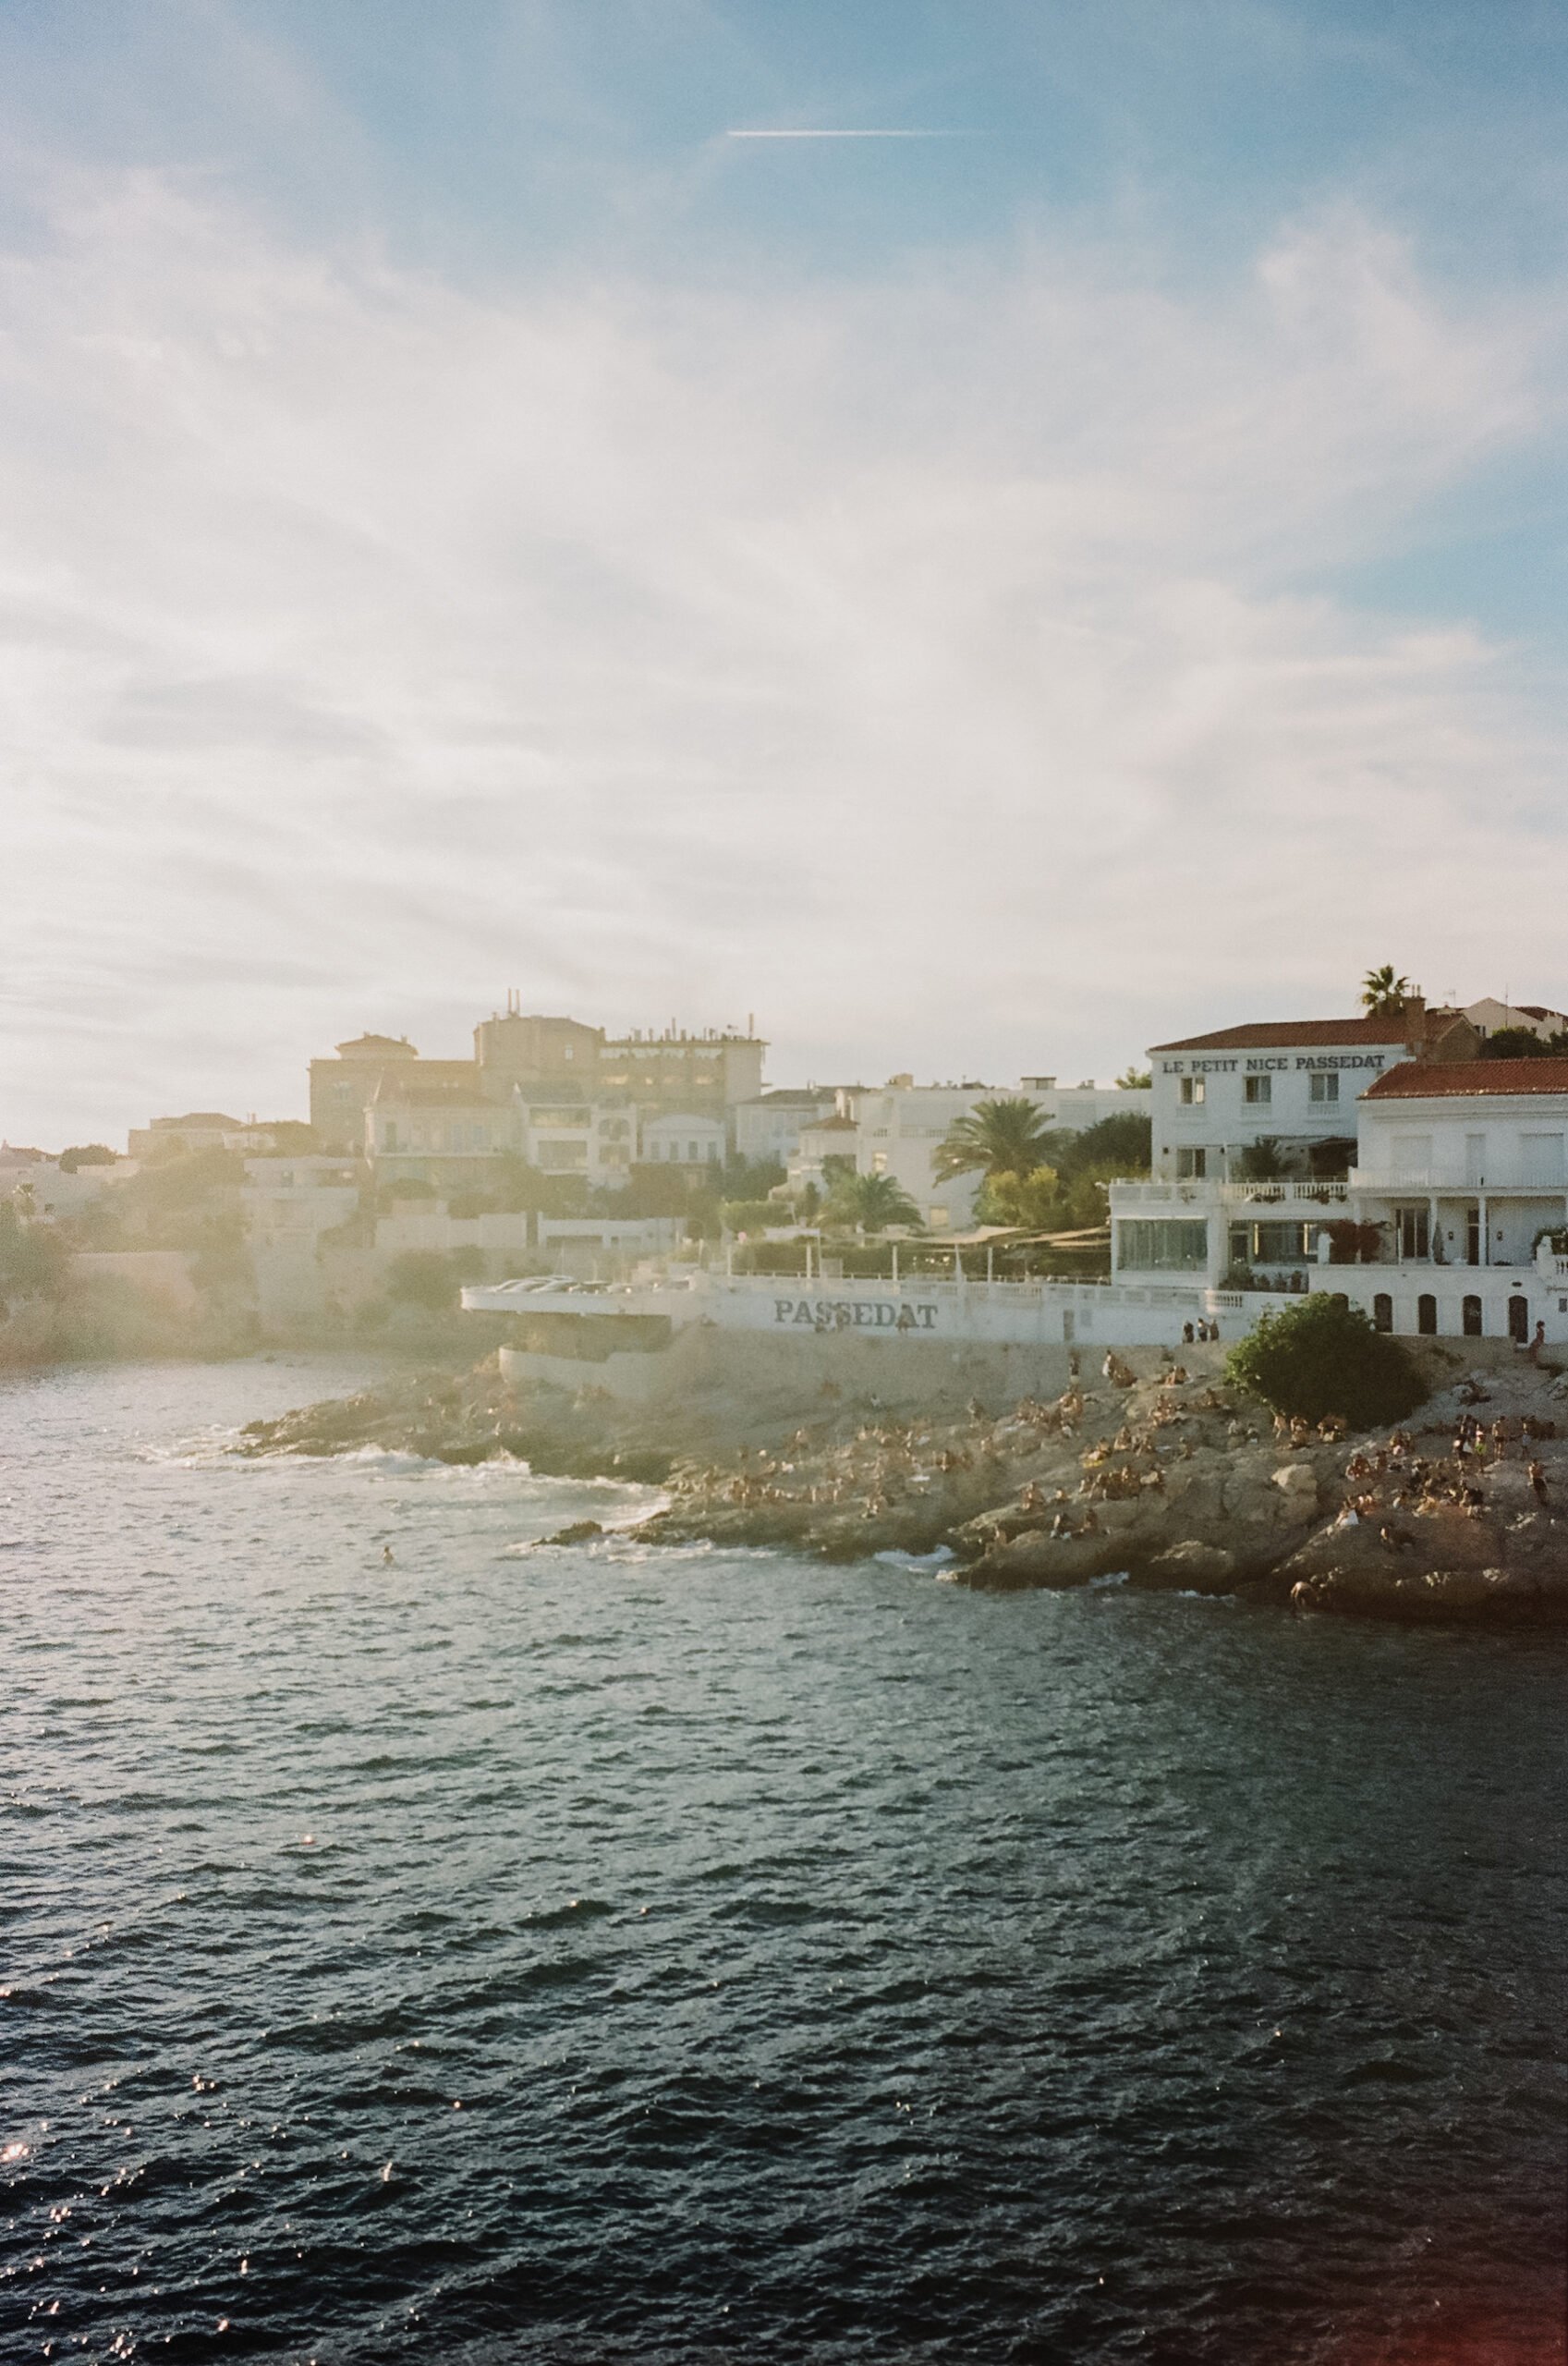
[562,1135]
[1489,1017]
[898,1127]
[1452,1220]
[1294,1083]
[291,1202]
[768,1128]
[687,1139]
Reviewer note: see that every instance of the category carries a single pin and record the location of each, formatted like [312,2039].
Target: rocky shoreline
[1153,1469]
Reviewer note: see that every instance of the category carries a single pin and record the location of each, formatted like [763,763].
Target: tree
[1515,1043]
[1002,1137]
[1383,992]
[1262,1161]
[1122,1145]
[34,1259]
[85,1155]
[427,1279]
[871,1202]
[1136,1079]
[1032,1201]
[752,1215]
[1323,1356]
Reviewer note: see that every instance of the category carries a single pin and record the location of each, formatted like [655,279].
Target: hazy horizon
[981,603]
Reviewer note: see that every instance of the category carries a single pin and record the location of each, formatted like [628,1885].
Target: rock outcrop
[1173,1480]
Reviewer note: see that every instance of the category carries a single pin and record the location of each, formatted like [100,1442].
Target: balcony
[1302,1193]
[1448,1183]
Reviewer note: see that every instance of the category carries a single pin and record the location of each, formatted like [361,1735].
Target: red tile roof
[1468,1080]
[1265,1034]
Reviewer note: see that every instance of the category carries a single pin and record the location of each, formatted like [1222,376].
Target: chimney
[1416,1025]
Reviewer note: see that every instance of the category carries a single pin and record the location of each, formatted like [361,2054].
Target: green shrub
[1324,1357]
[422,1277]
[753,1215]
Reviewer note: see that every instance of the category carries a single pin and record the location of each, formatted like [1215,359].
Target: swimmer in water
[386,1555]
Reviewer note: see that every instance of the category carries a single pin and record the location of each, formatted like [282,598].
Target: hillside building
[897,1130]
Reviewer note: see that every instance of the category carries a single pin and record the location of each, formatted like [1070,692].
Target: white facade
[1488,1015]
[768,1128]
[559,1135]
[898,1127]
[1215,1097]
[1437,1228]
[41,1188]
[293,1201]
[685,1140]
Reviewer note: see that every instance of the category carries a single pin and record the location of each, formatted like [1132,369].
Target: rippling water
[605,1954]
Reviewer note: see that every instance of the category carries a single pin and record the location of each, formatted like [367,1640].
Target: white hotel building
[1419,1180]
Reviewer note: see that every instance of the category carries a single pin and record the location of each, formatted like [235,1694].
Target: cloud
[921,662]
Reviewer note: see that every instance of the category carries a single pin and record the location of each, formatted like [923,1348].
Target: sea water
[613,1953]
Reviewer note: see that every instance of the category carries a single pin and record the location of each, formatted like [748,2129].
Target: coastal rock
[1168,1483]
[1192,1568]
[1297,1483]
[1025,1563]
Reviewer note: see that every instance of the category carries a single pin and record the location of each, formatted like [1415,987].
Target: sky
[982,602]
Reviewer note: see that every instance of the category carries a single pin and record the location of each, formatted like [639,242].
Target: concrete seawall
[794,1371]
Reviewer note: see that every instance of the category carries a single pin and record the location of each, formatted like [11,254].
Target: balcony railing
[1204,1192]
[1448,1182]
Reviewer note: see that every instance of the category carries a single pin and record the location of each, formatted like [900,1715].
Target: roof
[1468,1080]
[389,1047]
[1264,1033]
[1536,1011]
[833,1125]
[204,1118]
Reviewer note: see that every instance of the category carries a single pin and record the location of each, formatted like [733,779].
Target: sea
[416,1943]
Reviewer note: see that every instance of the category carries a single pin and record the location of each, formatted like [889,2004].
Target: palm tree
[1384,993]
[995,1137]
[871,1202]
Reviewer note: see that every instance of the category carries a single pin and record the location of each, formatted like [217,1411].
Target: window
[1193,1165]
[1415,1231]
[1542,1158]
[1275,1244]
[1258,1089]
[1192,1091]
[1161,1248]
[1322,1085]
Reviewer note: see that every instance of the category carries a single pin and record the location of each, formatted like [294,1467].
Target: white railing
[1211,1191]
[1448,1181]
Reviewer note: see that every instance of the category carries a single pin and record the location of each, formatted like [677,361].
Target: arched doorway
[1382,1311]
[1472,1318]
[1519,1320]
[1426,1316]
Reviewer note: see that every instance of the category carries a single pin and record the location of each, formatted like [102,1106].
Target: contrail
[877,134]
